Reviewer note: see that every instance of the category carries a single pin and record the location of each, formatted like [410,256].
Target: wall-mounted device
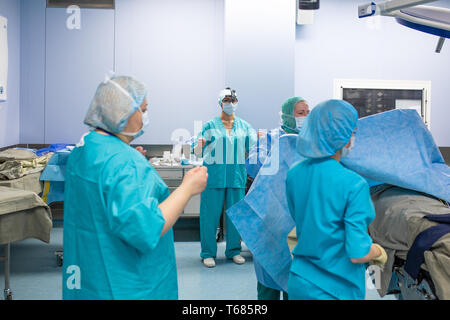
[309,4]
[91,4]
[3,57]
[305,11]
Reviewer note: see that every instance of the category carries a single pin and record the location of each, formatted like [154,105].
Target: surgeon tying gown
[332,210]
[293,113]
[113,248]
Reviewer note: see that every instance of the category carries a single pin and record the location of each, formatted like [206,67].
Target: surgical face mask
[229,108]
[346,151]
[145,119]
[145,123]
[299,121]
[283,123]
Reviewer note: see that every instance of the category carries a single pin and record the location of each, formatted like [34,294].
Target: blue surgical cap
[327,129]
[114,102]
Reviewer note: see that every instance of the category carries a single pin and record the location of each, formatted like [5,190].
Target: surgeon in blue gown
[118,212]
[332,209]
[293,113]
[223,143]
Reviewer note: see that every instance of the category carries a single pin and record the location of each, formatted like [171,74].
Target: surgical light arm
[386,8]
[411,13]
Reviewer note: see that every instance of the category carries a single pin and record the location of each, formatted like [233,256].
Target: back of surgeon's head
[327,129]
[115,100]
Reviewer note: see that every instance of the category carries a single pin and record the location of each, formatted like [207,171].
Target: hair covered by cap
[115,100]
[327,129]
[224,93]
[287,116]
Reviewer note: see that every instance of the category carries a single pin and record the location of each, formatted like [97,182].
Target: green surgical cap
[287,109]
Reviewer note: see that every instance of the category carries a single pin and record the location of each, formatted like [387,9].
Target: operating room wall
[186,51]
[259,57]
[10,110]
[77,60]
[61,68]
[176,48]
[339,45]
[32,71]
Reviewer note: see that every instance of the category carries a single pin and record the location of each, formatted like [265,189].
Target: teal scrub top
[332,209]
[112,225]
[224,154]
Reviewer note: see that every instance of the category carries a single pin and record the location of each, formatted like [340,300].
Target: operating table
[414,229]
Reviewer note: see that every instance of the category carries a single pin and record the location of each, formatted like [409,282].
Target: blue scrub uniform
[224,157]
[112,225]
[332,209]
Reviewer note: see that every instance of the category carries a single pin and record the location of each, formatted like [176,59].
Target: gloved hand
[381,260]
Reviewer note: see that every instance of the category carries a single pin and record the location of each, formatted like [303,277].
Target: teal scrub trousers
[212,201]
[266,293]
[301,289]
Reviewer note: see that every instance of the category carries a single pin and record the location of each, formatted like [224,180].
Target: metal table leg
[7,292]
[59,257]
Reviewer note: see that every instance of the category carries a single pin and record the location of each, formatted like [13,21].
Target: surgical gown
[224,157]
[253,164]
[259,152]
[332,210]
[112,225]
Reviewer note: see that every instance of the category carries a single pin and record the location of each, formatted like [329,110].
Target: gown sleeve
[359,213]
[256,156]
[289,196]
[252,138]
[131,196]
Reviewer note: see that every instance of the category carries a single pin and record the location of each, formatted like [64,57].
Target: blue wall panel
[259,57]
[10,110]
[76,62]
[32,66]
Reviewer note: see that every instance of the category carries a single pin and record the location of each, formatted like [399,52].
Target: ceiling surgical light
[412,14]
